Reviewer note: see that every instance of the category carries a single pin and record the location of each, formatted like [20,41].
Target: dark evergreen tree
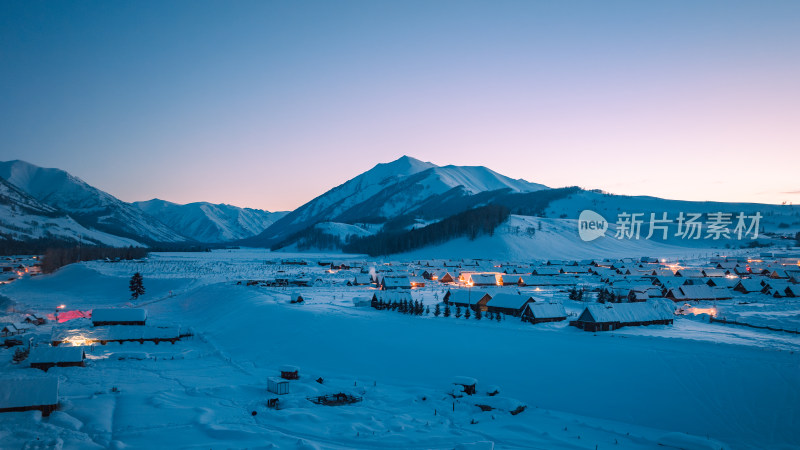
[20,355]
[447,310]
[489,316]
[437,311]
[427,310]
[458,312]
[467,313]
[498,317]
[136,285]
[573,293]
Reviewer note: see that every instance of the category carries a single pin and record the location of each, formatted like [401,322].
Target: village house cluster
[40,342]
[13,268]
[592,295]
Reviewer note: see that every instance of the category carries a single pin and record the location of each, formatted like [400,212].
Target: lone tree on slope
[136,286]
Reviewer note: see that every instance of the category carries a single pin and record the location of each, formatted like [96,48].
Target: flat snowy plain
[693,385]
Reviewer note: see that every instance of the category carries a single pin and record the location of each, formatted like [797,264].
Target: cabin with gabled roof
[509,304]
[540,312]
[612,316]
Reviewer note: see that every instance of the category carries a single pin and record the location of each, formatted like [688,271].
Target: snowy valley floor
[690,385]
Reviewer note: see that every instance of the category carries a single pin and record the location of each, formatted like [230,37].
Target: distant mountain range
[39,195]
[207,222]
[395,201]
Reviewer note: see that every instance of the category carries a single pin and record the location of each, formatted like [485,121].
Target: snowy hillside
[783,219]
[534,238]
[390,190]
[89,206]
[208,222]
[24,218]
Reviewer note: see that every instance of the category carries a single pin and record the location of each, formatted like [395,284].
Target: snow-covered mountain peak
[477,179]
[89,206]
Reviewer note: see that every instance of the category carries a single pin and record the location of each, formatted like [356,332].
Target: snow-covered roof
[511,301]
[465,381]
[43,355]
[546,271]
[545,280]
[22,392]
[750,285]
[543,310]
[511,279]
[363,278]
[695,292]
[714,272]
[483,279]
[119,315]
[467,296]
[689,273]
[648,311]
[116,333]
[396,282]
[288,368]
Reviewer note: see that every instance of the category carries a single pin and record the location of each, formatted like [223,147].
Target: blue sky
[269,104]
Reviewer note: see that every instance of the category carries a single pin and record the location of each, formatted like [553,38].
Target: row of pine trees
[417,308]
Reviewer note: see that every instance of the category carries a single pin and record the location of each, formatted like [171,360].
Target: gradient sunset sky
[268,104]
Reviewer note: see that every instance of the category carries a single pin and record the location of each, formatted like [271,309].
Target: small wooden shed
[468,384]
[277,385]
[290,372]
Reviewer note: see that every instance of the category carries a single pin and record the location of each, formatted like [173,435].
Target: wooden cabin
[360,279]
[43,358]
[697,292]
[118,316]
[35,319]
[511,280]
[290,372]
[417,282]
[388,283]
[540,312]
[546,271]
[446,277]
[29,394]
[611,316]
[482,279]
[749,285]
[13,329]
[468,298]
[509,304]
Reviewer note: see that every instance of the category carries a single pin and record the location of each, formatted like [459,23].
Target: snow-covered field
[690,385]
